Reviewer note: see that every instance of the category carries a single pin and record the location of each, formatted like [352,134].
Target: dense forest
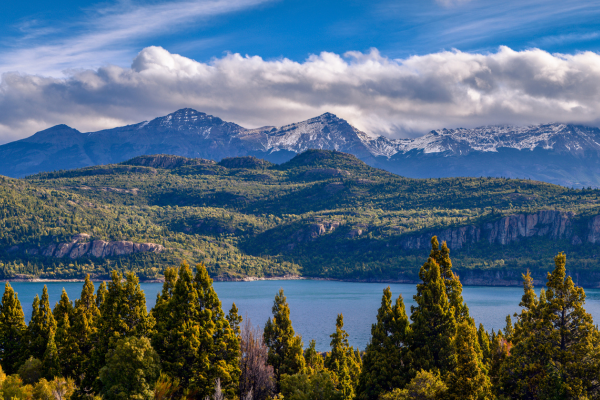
[322,214]
[107,345]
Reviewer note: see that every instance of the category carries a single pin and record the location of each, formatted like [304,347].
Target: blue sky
[288,28]
[398,68]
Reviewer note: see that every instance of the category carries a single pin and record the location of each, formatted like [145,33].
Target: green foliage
[384,363]
[193,338]
[247,218]
[555,349]
[285,347]
[424,386]
[13,331]
[42,322]
[31,370]
[320,385]
[131,370]
[343,361]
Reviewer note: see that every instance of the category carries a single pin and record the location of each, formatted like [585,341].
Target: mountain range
[563,154]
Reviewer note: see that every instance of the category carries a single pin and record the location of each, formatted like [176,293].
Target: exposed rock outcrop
[551,224]
[80,246]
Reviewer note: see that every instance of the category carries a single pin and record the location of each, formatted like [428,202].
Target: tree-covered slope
[322,214]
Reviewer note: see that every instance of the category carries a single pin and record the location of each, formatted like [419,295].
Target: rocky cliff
[555,225]
[81,246]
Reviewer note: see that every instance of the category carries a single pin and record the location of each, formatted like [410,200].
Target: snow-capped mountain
[558,137]
[558,153]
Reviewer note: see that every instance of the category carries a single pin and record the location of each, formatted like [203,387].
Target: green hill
[323,214]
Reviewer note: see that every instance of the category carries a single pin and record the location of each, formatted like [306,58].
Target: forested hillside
[322,214]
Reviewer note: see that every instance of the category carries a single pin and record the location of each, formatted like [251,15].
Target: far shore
[466,282]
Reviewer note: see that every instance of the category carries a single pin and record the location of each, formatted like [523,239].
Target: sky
[397,68]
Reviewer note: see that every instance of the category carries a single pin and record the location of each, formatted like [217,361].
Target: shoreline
[467,282]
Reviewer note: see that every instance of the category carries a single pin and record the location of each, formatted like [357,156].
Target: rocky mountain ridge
[81,246]
[557,153]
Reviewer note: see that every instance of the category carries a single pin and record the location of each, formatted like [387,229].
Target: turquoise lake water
[314,305]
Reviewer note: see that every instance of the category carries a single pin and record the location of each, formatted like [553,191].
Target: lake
[314,305]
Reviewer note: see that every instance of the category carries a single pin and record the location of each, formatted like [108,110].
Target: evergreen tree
[384,363]
[451,280]
[556,352]
[131,370]
[101,295]
[13,332]
[484,343]
[84,329]
[123,314]
[51,361]
[224,353]
[434,324]
[69,354]
[285,347]
[314,360]
[424,386]
[235,320]
[193,338]
[341,360]
[469,380]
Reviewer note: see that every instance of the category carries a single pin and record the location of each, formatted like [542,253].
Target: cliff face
[554,225]
[80,246]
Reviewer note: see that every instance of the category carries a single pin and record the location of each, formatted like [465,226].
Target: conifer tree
[451,280]
[63,307]
[556,348]
[224,355]
[13,332]
[123,314]
[468,380]
[101,295]
[484,343]
[341,360]
[84,328]
[235,320]
[434,324]
[69,354]
[314,360]
[285,347]
[193,338]
[51,361]
[384,363]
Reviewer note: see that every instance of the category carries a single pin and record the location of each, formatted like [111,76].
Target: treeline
[106,345]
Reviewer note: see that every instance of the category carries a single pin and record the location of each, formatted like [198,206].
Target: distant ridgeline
[563,154]
[322,214]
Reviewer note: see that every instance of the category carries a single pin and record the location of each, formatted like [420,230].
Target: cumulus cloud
[377,94]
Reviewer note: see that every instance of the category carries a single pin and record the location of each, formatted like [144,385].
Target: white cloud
[377,94]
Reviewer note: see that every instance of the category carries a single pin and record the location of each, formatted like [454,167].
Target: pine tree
[69,354]
[434,324]
[84,328]
[451,280]
[384,363]
[556,348]
[341,360]
[42,322]
[285,347]
[235,320]
[314,360]
[62,308]
[224,355]
[484,343]
[101,295]
[469,380]
[51,361]
[123,314]
[193,338]
[13,332]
